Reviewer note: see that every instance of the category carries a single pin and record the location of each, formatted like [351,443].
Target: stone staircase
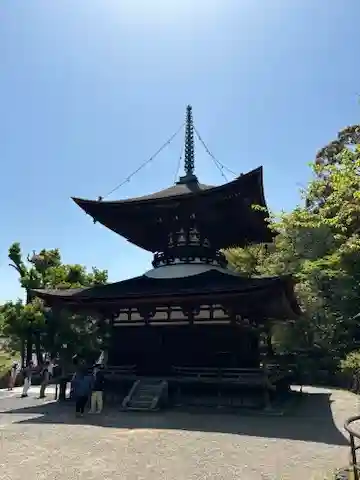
[145,395]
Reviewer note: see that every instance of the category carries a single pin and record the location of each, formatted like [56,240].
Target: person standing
[51,368]
[97,394]
[27,372]
[12,376]
[81,385]
[45,377]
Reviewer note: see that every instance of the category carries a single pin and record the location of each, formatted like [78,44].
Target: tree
[248,260]
[328,156]
[12,325]
[319,244]
[33,321]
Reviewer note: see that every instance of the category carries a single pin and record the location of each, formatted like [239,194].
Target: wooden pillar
[149,363]
[196,355]
[253,339]
[256,351]
[268,388]
[269,347]
[267,399]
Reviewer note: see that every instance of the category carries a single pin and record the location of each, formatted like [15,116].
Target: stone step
[144,396]
[148,390]
[140,404]
[139,409]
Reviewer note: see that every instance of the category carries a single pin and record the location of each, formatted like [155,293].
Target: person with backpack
[81,386]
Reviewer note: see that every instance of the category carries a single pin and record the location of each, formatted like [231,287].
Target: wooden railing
[253,376]
[354,436]
[121,370]
[127,399]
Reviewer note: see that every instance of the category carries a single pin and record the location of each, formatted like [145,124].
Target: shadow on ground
[310,420]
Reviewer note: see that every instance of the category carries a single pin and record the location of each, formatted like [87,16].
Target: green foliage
[56,333]
[6,361]
[14,326]
[319,244]
[247,260]
[351,363]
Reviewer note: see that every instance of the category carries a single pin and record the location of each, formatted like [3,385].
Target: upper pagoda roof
[225,213]
[251,182]
[173,191]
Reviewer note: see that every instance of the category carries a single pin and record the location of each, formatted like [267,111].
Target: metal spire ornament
[189,142]
[189,155]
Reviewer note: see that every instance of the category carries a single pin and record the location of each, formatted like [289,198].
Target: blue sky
[90,89]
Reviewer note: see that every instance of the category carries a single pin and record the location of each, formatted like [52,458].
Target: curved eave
[271,297]
[254,179]
[135,219]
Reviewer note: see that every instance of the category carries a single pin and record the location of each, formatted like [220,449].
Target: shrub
[351,363]
[6,361]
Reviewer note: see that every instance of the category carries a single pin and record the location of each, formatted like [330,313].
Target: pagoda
[190,312]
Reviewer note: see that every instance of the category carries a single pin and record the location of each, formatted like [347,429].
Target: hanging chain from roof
[127,179]
[188,157]
[179,163]
[220,166]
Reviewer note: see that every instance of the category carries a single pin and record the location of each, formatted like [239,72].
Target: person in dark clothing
[27,372]
[97,394]
[45,378]
[82,385]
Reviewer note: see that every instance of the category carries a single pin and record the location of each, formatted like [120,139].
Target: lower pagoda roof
[267,297]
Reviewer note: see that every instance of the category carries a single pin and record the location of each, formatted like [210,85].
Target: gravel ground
[42,440]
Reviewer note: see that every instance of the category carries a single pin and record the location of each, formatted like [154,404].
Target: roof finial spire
[189,142]
[189,156]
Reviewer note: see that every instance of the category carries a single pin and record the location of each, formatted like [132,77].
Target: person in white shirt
[12,376]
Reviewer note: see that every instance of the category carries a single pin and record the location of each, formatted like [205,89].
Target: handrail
[257,376]
[130,394]
[160,393]
[355,466]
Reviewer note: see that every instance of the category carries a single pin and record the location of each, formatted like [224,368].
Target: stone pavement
[43,440]
[16,392]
